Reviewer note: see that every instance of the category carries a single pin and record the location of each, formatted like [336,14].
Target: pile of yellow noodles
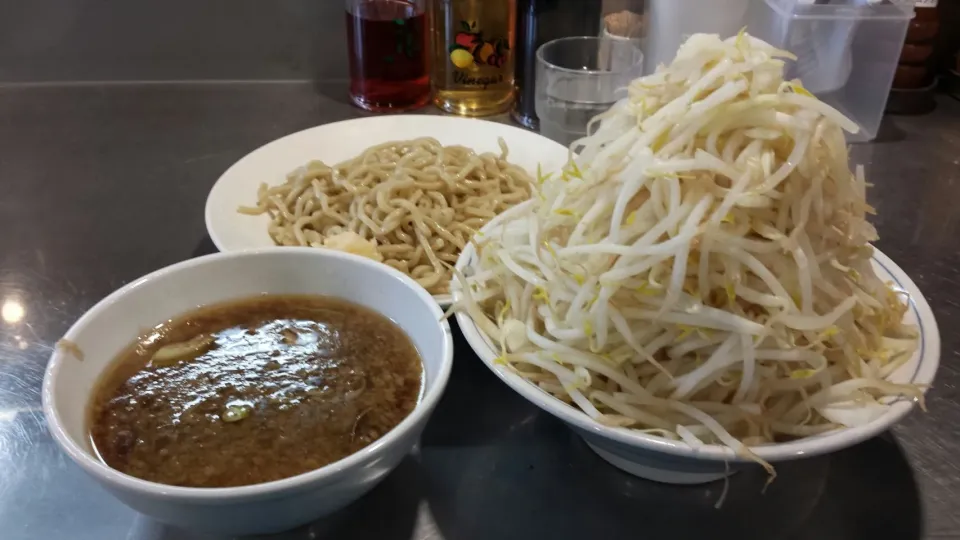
[417,202]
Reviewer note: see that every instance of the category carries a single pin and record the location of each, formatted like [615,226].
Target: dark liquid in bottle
[387,44]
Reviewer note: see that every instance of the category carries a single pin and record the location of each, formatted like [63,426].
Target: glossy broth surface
[254,390]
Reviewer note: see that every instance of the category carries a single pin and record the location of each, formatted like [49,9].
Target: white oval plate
[332,143]
[920,370]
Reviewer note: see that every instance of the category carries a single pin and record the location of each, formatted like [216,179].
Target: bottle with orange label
[472,64]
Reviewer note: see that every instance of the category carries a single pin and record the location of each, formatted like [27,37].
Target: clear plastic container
[670,22]
[847,50]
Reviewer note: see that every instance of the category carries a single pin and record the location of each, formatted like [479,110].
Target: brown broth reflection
[254,390]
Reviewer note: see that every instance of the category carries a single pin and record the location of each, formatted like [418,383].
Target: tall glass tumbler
[579,78]
[388,46]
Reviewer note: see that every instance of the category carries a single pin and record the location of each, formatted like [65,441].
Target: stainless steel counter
[101,183]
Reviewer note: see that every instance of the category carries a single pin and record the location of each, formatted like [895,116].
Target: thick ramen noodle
[411,204]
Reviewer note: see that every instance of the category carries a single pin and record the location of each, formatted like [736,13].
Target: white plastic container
[847,50]
[671,22]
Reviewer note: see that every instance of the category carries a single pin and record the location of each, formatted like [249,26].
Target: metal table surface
[102,183]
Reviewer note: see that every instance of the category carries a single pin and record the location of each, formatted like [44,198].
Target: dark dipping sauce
[254,390]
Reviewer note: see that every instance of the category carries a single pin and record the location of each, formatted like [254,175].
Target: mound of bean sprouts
[701,270]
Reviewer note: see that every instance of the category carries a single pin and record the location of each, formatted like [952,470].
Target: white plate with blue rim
[332,143]
[669,461]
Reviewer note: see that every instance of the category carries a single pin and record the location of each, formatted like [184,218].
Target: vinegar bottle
[472,64]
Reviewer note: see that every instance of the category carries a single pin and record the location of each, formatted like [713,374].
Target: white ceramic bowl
[118,319]
[675,462]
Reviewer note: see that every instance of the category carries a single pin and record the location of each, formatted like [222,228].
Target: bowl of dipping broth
[249,392]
